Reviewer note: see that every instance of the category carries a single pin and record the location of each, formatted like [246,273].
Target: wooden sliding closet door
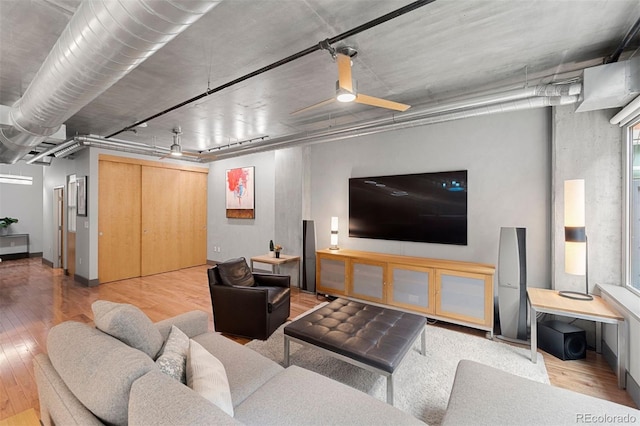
[160,220]
[193,219]
[118,221]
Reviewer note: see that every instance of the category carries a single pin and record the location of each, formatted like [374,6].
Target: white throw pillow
[206,376]
[173,358]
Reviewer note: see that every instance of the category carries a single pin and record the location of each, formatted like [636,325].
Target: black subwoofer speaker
[562,340]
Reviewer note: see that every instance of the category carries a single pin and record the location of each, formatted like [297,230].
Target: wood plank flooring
[34,297]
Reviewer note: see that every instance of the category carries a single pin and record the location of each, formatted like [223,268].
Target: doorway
[58,226]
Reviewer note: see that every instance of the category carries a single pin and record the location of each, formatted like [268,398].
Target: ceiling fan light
[345,96]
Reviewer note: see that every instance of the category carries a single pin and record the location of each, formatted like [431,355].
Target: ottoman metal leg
[286,350]
[423,342]
[390,389]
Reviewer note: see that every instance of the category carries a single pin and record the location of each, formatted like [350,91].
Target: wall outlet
[86,224]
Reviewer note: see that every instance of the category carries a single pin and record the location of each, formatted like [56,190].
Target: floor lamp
[576,259]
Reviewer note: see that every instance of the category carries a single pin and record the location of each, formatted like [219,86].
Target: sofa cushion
[97,368]
[483,395]
[148,404]
[173,357]
[246,369]
[236,272]
[303,397]
[207,377]
[129,324]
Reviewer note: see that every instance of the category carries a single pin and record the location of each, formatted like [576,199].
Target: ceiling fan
[176,151]
[346,86]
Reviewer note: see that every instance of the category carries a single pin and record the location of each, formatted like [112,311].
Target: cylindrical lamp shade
[334,233]
[575,254]
[574,203]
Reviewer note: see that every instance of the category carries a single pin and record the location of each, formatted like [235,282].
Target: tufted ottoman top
[378,337]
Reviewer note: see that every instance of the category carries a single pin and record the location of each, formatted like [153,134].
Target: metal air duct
[103,42]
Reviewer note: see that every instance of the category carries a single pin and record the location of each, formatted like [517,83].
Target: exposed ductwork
[539,96]
[78,143]
[513,100]
[103,42]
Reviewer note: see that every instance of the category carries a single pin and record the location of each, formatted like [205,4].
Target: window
[633,203]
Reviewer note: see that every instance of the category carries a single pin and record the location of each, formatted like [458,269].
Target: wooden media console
[447,290]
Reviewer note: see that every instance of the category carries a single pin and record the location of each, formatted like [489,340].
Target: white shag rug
[422,384]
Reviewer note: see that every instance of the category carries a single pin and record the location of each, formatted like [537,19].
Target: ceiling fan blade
[310,107]
[382,103]
[345,80]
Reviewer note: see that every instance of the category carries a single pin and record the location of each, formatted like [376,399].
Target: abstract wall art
[240,193]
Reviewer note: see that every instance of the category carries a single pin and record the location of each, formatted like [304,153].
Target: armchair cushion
[236,272]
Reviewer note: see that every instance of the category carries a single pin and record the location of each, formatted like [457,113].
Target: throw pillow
[173,358]
[236,272]
[207,377]
[128,324]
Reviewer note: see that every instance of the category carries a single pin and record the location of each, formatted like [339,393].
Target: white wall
[241,237]
[24,202]
[508,161]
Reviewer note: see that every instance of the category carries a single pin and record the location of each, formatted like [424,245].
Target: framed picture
[240,193]
[82,195]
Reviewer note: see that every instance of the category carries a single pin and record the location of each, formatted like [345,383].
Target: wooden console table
[550,302]
[17,255]
[275,262]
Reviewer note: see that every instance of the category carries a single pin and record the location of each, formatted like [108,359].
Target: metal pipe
[624,43]
[103,41]
[486,101]
[373,23]
[522,104]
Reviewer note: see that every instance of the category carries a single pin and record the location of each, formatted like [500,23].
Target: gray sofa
[92,378]
[483,395]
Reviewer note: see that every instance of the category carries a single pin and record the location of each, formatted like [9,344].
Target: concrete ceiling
[443,50]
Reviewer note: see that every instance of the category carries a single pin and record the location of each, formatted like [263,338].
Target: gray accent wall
[508,161]
[586,146]
[242,237]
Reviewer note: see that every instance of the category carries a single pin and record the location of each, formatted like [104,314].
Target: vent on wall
[611,85]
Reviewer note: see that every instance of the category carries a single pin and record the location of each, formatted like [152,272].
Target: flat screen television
[422,207]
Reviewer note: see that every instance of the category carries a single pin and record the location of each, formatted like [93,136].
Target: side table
[550,302]
[275,262]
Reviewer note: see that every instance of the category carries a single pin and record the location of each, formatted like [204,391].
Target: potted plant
[4,224]
[277,249]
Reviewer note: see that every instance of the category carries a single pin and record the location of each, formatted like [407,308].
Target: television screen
[423,207]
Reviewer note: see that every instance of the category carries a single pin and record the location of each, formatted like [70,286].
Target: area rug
[422,383]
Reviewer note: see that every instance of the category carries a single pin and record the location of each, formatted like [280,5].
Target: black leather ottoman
[371,337]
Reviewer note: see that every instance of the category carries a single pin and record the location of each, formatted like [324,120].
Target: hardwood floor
[34,297]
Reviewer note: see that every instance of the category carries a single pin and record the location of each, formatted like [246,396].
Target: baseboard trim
[632,386]
[633,389]
[47,262]
[86,281]
[609,356]
[212,262]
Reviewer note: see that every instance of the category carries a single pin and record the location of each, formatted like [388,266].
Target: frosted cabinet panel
[462,295]
[411,287]
[332,274]
[368,280]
